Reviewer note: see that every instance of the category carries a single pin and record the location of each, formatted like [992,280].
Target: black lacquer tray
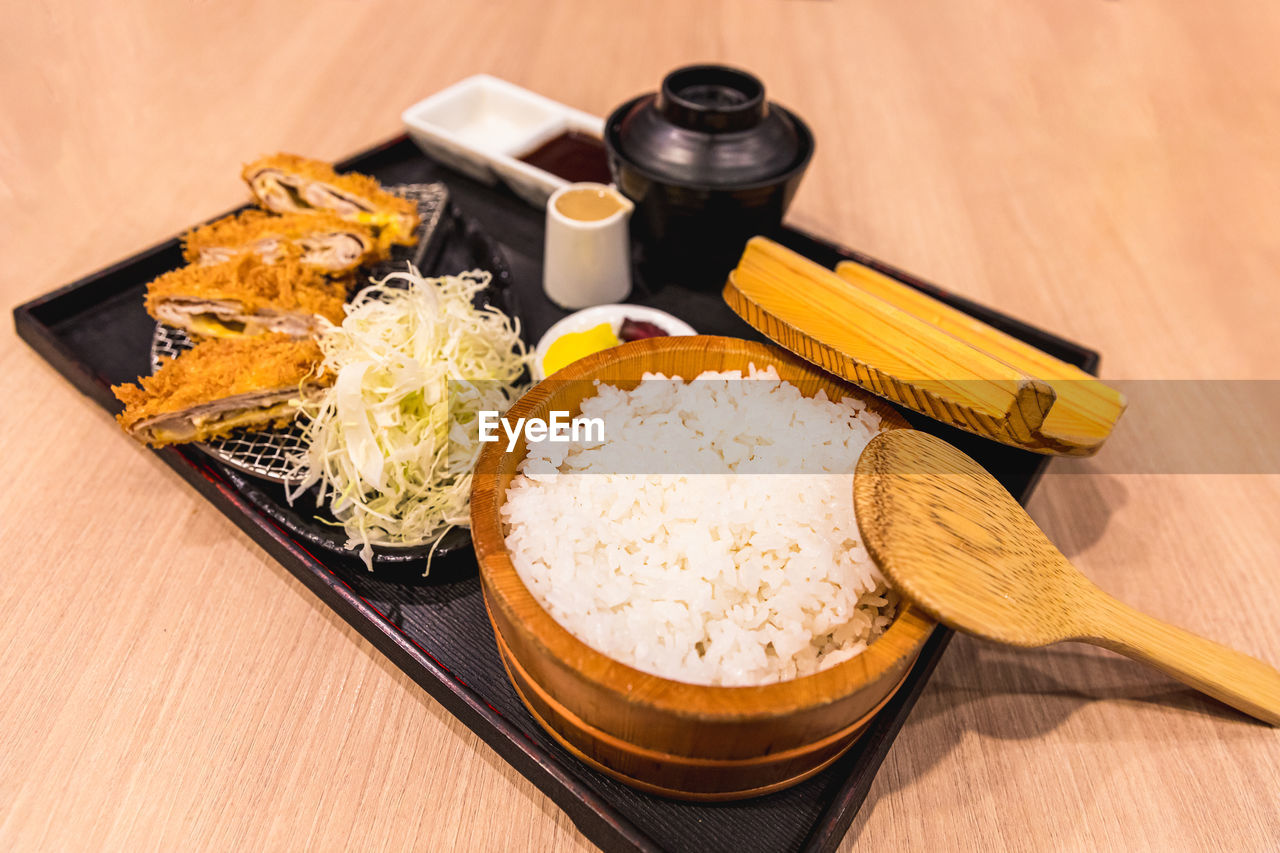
[95,332]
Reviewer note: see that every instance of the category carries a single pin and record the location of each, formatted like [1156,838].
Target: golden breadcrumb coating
[395,217]
[221,368]
[239,231]
[287,285]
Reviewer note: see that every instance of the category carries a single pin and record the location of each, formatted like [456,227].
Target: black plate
[95,333]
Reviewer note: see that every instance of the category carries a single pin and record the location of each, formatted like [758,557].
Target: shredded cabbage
[394,440]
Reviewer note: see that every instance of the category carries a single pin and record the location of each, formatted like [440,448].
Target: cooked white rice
[696,570]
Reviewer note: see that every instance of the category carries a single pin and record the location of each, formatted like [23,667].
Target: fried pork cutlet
[286,183]
[246,296]
[220,385]
[321,240]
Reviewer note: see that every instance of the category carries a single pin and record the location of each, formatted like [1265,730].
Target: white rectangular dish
[482,125]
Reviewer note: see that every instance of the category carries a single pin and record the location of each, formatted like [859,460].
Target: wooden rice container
[668,737]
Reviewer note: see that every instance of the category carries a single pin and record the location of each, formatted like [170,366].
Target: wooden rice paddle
[952,540]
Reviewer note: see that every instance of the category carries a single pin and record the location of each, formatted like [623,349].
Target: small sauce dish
[482,126]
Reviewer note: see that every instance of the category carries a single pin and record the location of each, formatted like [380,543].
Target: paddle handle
[1243,682]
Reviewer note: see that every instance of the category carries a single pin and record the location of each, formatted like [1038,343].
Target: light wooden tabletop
[1108,170]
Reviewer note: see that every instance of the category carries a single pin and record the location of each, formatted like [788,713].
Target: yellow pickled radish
[570,347]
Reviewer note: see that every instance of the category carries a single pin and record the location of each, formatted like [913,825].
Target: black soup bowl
[709,163]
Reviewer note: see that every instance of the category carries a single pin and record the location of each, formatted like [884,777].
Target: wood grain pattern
[1084,410]
[814,313]
[952,539]
[716,734]
[919,353]
[678,776]
[1103,169]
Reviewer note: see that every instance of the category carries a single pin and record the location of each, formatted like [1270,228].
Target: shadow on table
[1075,509]
[1022,694]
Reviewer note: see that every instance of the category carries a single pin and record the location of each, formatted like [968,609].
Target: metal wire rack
[266,453]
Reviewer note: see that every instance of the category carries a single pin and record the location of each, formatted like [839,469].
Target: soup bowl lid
[709,126]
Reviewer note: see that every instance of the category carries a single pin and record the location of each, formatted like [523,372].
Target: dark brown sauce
[574,156]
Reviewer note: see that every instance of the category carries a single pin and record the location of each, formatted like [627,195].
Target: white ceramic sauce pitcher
[587,256]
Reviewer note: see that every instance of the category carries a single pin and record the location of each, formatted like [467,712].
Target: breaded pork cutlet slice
[219,385]
[287,183]
[246,296]
[321,240]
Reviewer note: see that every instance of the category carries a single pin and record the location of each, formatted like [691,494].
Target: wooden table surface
[1109,170]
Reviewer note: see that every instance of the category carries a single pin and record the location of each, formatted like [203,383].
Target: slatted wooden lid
[912,349]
